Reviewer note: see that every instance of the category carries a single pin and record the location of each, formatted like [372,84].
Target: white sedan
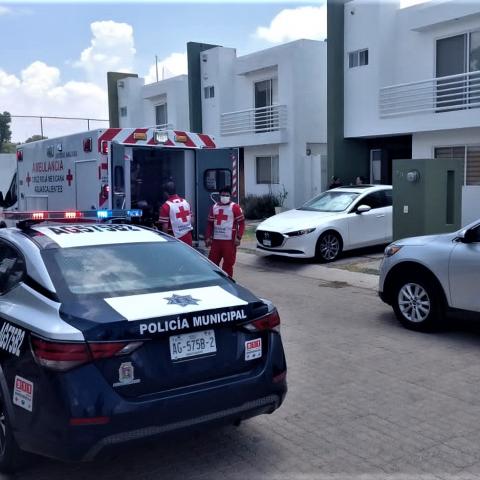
[336,220]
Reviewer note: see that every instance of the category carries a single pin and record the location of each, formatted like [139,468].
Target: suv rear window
[128,269]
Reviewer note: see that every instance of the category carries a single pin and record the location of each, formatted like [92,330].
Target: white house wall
[299,70]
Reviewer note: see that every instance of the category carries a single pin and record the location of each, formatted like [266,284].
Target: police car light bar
[91,215]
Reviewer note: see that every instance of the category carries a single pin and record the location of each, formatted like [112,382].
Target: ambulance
[121,168]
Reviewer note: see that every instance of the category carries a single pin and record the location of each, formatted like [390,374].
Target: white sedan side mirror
[363,209]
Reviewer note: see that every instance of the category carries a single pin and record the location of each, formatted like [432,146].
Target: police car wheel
[11,457]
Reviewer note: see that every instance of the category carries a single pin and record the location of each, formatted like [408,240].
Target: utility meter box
[427,196]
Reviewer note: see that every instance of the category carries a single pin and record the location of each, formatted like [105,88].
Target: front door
[214,171]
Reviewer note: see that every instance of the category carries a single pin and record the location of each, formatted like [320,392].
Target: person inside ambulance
[176,215]
[225,228]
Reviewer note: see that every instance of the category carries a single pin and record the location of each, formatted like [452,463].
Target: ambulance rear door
[215,168]
[117,175]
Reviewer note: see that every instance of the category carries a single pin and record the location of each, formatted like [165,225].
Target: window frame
[165,105]
[209,92]
[217,183]
[354,58]
[465,147]
[272,158]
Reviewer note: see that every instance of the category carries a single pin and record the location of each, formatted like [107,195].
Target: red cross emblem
[183,214]
[69,178]
[28,179]
[221,217]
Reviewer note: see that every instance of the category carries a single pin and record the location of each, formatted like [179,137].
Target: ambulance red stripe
[108,135]
[207,140]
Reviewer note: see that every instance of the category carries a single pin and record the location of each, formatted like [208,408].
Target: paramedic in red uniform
[176,215]
[225,228]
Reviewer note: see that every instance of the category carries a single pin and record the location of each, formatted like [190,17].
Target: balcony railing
[441,94]
[254,120]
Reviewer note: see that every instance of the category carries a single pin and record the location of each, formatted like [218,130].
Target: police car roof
[69,235]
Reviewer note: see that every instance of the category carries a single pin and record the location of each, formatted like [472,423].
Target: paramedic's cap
[226,189]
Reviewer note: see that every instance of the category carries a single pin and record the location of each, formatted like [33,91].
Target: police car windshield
[330,201]
[126,269]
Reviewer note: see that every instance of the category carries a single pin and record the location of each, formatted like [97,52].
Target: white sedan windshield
[330,201]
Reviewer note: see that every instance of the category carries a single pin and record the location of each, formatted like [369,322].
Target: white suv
[422,277]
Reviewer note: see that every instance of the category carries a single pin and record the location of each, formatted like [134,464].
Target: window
[268,170]
[330,201]
[266,113]
[123,111]
[457,55]
[216,178]
[469,154]
[358,58]
[125,269]
[376,200]
[161,117]
[12,268]
[209,92]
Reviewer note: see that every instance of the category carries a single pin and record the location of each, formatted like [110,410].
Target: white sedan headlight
[297,233]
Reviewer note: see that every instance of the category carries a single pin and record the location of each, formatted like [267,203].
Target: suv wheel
[417,304]
[329,247]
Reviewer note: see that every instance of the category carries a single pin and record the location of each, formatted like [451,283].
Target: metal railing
[254,120]
[441,94]
[44,117]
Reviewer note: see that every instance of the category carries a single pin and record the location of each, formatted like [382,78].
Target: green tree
[35,138]
[5,132]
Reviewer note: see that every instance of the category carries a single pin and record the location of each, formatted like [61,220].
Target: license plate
[192,344]
[267,243]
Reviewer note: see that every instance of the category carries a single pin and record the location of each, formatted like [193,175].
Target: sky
[54,55]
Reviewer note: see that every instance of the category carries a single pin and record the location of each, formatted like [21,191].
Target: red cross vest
[180,217]
[224,220]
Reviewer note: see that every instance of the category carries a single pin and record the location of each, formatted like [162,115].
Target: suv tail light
[271,321]
[62,356]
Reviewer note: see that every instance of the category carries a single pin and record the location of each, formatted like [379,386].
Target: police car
[111,332]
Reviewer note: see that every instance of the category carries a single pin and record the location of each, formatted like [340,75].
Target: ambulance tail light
[87,144]
[19,155]
[105,191]
[270,321]
[104,147]
[63,356]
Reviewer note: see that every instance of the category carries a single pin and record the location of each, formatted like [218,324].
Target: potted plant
[281,197]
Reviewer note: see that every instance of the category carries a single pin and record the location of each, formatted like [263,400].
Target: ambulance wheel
[329,247]
[11,457]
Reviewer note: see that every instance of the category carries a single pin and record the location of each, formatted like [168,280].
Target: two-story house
[270,104]
[411,79]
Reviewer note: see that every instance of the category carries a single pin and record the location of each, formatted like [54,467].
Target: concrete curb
[334,277]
